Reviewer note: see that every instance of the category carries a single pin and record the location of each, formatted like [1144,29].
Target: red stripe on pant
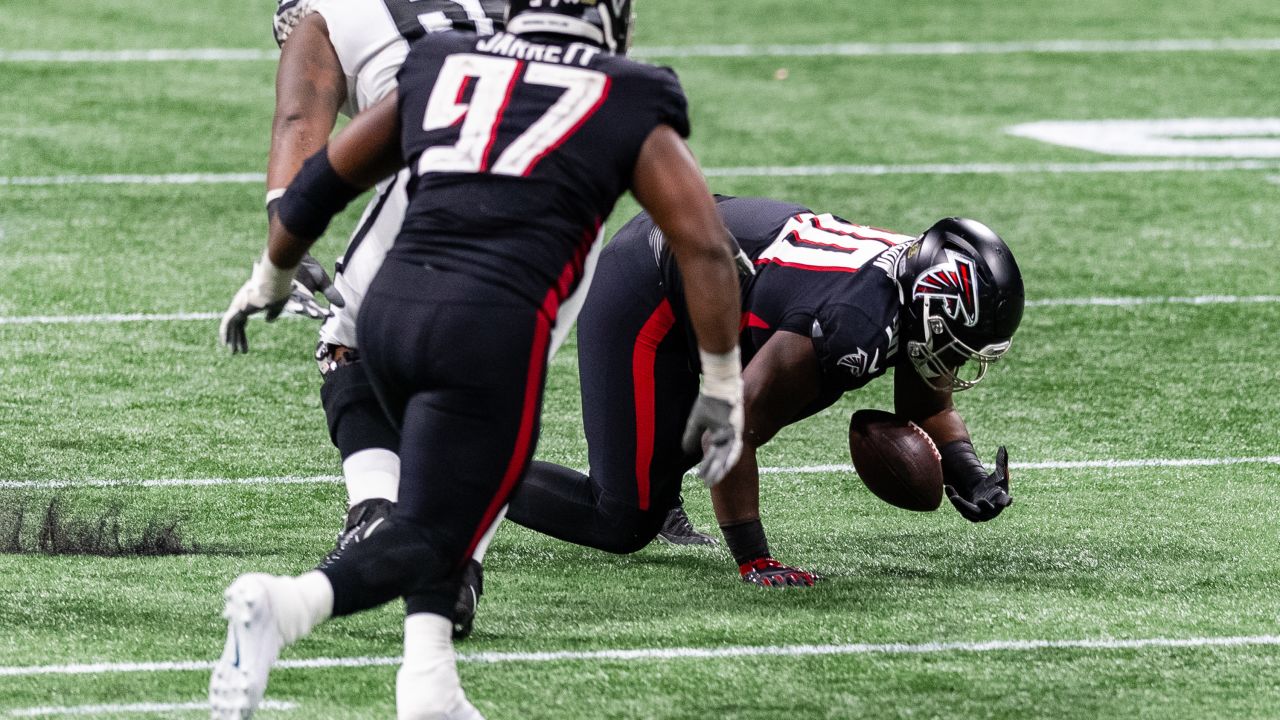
[642,365]
[532,389]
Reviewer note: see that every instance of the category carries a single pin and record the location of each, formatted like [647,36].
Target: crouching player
[831,307]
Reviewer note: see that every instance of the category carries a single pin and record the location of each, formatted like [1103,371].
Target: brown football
[896,460]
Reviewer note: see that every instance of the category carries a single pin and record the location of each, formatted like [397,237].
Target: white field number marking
[1185,138]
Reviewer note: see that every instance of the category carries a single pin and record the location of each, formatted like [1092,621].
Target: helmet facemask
[939,356]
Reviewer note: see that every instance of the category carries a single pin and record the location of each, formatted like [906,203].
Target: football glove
[984,499]
[311,275]
[767,572]
[720,423]
[268,289]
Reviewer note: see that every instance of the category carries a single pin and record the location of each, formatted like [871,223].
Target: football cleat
[362,520]
[464,611]
[427,684]
[253,643]
[767,572]
[677,529]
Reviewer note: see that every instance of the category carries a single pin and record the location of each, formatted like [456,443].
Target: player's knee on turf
[630,528]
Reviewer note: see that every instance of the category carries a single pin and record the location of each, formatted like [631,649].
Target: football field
[1137,574]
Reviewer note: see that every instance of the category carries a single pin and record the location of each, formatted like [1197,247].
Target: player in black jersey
[520,144]
[832,306]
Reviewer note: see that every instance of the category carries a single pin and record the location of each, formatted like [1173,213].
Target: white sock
[483,546]
[314,595]
[427,684]
[372,473]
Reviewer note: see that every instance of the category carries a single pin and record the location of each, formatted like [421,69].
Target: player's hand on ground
[267,290]
[715,425]
[314,279]
[987,498]
[767,572]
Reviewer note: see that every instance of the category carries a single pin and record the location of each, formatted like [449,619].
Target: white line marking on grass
[116,179]
[155,708]
[677,653]
[155,55]
[784,470]
[169,482]
[1016,47]
[116,318]
[1052,168]
[964,48]
[107,319]
[1129,301]
[1062,464]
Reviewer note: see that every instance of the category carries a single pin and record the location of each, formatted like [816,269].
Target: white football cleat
[253,644]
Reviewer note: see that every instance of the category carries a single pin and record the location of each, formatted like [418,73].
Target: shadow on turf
[56,530]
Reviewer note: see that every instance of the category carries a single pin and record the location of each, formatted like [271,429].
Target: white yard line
[785,470]
[870,170]
[678,653]
[846,49]
[156,708]
[118,318]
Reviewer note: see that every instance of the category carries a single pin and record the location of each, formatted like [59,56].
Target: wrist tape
[722,375]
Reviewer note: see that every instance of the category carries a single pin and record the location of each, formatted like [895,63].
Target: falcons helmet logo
[955,282]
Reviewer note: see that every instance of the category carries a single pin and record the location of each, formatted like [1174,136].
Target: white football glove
[716,420]
[268,288]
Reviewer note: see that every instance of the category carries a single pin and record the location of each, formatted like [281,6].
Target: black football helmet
[963,301]
[606,23]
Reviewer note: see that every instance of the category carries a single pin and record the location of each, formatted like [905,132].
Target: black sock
[746,540]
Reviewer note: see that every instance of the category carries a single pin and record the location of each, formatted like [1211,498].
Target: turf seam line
[746,171]
[676,653]
[14,484]
[742,50]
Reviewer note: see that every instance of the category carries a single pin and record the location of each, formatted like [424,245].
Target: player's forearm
[711,288]
[944,427]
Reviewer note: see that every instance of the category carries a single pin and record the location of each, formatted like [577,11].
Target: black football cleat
[677,529]
[464,611]
[362,519]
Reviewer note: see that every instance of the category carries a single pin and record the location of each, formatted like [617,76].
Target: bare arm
[669,184]
[780,381]
[310,89]
[927,407]
[365,152]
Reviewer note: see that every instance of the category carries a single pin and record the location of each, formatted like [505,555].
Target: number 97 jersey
[519,150]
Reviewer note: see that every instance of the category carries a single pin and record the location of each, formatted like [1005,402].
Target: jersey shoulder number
[825,243]
[415,18]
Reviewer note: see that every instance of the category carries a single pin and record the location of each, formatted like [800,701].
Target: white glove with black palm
[716,420]
[268,289]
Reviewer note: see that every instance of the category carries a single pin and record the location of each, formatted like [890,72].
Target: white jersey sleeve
[369,46]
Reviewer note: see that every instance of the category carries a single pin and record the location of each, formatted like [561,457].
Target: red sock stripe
[642,362]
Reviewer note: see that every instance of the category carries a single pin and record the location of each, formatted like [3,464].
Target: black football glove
[721,422]
[767,572]
[311,280]
[982,500]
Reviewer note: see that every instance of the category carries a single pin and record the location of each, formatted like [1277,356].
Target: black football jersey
[816,275]
[519,151]
[415,18]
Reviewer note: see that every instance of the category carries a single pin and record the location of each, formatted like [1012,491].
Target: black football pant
[638,385]
[459,366]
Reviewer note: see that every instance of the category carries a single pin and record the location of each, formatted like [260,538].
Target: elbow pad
[314,197]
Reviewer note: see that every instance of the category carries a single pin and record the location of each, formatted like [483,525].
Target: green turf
[1086,553]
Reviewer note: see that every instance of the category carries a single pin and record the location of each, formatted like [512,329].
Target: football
[896,460]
